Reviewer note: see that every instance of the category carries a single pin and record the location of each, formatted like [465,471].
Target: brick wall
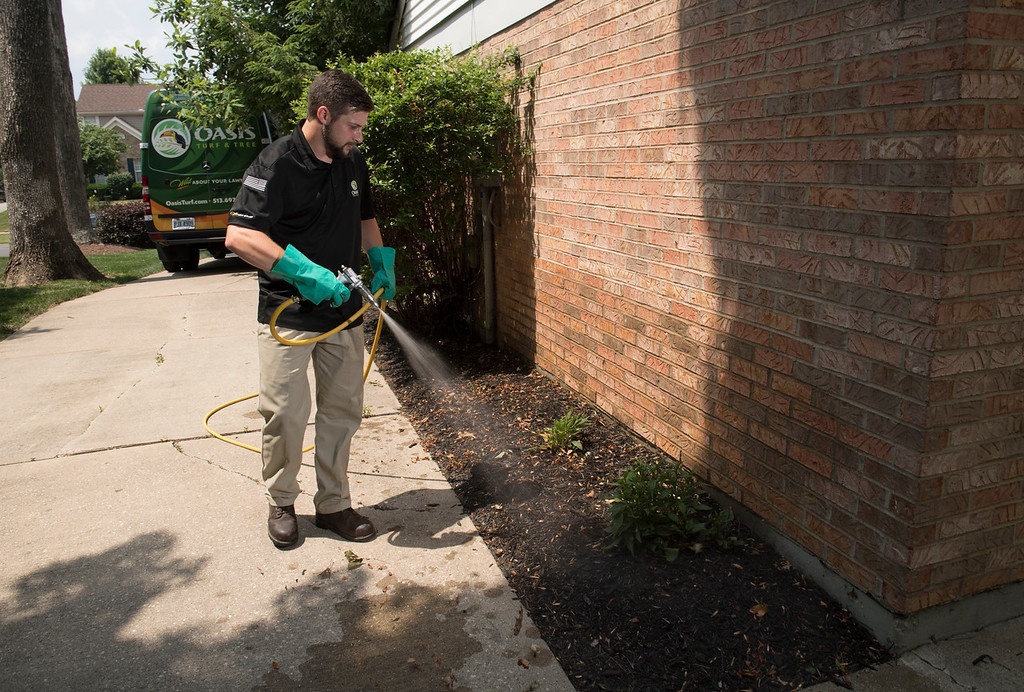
[784,241]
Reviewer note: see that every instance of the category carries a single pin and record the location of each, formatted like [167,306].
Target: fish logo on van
[170,138]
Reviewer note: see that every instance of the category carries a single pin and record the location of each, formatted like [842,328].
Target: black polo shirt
[297,199]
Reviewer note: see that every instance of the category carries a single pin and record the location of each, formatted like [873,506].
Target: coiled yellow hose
[301,342]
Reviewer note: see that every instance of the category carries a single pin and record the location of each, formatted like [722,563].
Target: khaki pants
[285,406]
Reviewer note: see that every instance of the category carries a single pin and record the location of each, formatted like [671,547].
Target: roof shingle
[98,99]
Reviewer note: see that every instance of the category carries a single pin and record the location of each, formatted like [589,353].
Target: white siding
[459,24]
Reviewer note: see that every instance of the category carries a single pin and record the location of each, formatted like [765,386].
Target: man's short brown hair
[340,92]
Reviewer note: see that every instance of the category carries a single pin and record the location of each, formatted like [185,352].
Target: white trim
[116,121]
[460,24]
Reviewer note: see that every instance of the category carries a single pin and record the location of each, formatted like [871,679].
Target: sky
[92,24]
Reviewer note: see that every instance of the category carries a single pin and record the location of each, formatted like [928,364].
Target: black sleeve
[256,205]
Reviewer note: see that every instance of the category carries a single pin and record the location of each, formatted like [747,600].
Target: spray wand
[355,282]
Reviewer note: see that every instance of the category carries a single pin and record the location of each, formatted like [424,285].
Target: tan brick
[866,70]
[931,60]
[936,596]
[853,570]
[946,117]
[941,551]
[817,27]
[892,201]
[812,460]
[1001,87]
[1003,173]
[861,123]
[788,58]
[1006,117]
[995,26]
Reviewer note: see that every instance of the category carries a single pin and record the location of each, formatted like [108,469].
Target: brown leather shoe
[282,527]
[348,524]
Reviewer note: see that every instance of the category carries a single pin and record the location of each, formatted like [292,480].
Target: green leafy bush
[101,149]
[120,185]
[123,224]
[564,433]
[662,509]
[441,124]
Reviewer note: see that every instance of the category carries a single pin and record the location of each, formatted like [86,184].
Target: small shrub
[136,192]
[120,185]
[662,509]
[96,190]
[122,224]
[563,434]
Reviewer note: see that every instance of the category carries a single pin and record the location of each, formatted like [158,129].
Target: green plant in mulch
[663,509]
[563,434]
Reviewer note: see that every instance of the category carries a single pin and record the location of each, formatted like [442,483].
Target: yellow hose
[206,424]
[301,342]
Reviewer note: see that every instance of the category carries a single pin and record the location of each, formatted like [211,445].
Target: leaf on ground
[354,560]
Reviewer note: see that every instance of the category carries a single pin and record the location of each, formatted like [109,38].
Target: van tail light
[146,204]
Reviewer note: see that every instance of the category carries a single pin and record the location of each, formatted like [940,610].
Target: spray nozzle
[355,282]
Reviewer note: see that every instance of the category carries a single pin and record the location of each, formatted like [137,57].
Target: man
[305,209]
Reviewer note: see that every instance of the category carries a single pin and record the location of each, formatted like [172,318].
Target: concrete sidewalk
[136,554]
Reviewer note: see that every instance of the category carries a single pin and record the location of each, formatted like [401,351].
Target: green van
[190,176]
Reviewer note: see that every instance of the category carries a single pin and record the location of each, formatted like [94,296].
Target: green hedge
[119,185]
[102,191]
[123,224]
[440,125]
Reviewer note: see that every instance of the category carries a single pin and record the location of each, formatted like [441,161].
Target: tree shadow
[142,616]
[514,232]
[68,624]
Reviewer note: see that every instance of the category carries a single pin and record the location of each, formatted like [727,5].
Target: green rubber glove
[315,283]
[382,262]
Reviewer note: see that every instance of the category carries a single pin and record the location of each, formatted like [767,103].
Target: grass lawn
[19,305]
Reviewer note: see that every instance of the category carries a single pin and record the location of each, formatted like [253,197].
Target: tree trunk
[41,246]
[69,147]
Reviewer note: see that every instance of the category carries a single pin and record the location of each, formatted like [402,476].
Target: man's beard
[333,150]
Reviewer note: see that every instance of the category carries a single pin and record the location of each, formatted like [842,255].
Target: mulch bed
[738,618]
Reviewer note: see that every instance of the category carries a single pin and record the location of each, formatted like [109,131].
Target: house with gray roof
[117,107]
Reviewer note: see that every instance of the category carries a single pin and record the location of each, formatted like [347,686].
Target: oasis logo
[170,138]
[206,134]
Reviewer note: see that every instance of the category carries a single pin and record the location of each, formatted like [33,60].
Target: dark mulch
[726,619]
